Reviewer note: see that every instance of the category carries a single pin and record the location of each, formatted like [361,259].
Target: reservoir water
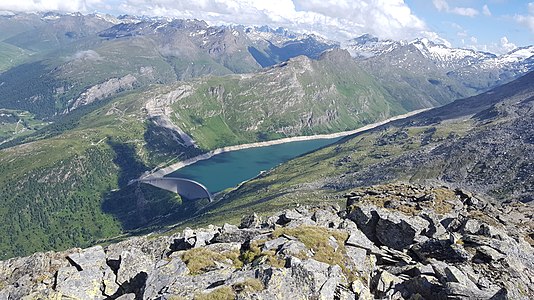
[231,168]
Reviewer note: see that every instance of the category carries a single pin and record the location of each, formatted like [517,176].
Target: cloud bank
[443,5]
[336,19]
[527,20]
[49,5]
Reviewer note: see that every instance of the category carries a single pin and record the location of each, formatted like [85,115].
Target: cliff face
[395,241]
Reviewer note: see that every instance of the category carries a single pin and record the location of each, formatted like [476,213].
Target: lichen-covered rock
[90,258]
[411,243]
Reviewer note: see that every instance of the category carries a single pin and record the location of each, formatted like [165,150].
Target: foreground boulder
[394,241]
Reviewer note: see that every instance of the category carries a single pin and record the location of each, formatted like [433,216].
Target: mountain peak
[365,38]
[336,54]
[367,45]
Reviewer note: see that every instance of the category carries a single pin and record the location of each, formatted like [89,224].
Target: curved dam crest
[184,187]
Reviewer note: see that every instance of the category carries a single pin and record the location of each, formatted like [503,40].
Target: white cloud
[464,11]
[486,11]
[506,45]
[335,19]
[527,20]
[338,19]
[501,47]
[443,5]
[85,55]
[434,37]
[49,5]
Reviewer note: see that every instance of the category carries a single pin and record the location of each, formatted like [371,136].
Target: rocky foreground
[392,242]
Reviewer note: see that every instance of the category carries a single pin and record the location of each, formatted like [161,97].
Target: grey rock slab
[109,283]
[358,239]
[294,248]
[443,250]
[275,244]
[187,285]
[426,286]
[471,226]
[239,236]
[133,263]
[85,284]
[326,218]
[281,284]
[453,274]
[366,218]
[360,262]
[251,221]
[455,290]
[130,296]
[310,270]
[396,254]
[224,247]
[435,228]
[386,282]
[301,222]
[204,237]
[292,218]
[229,228]
[329,288]
[165,274]
[156,248]
[487,254]
[321,278]
[89,258]
[398,231]
[425,269]
[362,290]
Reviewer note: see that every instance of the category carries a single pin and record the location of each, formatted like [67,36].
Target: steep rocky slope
[391,242]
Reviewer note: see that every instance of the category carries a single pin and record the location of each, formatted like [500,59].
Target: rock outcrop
[391,242]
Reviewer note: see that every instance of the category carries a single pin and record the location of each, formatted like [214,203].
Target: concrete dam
[186,188]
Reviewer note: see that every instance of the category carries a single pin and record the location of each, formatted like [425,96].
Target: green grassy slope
[11,56]
[301,97]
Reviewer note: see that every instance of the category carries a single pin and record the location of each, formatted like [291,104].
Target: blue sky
[481,24]
[496,26]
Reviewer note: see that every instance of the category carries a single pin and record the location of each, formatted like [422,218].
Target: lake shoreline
[176,166]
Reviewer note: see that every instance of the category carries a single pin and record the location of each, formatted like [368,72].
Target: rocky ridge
[394,241]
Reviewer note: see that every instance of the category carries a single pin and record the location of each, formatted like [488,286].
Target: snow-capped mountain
[450,58]
[367,46]
[477,70]
[520,57]
[280,35]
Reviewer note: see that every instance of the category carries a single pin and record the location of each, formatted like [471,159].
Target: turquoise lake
[231,168]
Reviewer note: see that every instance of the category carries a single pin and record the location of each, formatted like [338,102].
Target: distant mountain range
[76,59]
